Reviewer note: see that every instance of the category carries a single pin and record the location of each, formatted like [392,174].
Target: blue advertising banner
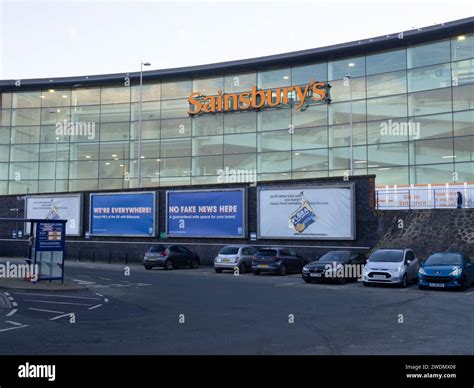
[122,214]
[206,213]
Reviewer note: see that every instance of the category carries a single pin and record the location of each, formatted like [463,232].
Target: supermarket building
[408,97]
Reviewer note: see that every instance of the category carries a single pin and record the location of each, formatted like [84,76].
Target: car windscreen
[444,259]
[157,249]
[387,256]
[330,257]
[267,253]
[229,251]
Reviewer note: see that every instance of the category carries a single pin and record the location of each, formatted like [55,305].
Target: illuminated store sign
[256,99]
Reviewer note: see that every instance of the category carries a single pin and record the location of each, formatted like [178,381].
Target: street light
[347,79]
[140,125]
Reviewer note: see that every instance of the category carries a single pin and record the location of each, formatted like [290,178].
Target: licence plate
[263,266]
[226,260]
[380,277]
[315,275]
[441,285]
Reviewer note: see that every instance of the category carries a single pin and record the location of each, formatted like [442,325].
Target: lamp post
[140,124]
[351,129]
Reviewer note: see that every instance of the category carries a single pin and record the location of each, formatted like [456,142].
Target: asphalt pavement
[129,310]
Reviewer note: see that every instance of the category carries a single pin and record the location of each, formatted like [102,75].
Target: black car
[336,266]
[277,260]
[169,257]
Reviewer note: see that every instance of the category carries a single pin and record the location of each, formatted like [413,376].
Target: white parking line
[83,276]
[82,282]
[106,300]
[7,294]
[99,286]
[13,328]
[142,284]
[14,304]
[60,316]
[94,307]
[58,296]
[53,302]
[287,284]
[14,323]
[105,279]
[99,294]
[12,312]
[46,311]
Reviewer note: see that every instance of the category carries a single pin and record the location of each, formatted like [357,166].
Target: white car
[232,256]
[391,266]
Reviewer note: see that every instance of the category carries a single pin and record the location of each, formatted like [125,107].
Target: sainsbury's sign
[256,99]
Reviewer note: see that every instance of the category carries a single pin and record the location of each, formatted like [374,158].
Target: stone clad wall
[428,231]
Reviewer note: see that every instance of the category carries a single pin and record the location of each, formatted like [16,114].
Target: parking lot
[197,311]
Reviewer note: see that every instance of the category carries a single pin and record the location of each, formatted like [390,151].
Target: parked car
[169,257]
[277,260]
[338,266]
[391,266]
[232,256]
[446,270]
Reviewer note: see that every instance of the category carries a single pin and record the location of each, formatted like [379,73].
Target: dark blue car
[446,270]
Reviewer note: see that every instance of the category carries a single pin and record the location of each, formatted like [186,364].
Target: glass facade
[412,114]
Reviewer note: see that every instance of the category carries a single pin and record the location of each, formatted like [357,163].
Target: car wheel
[282,271]
[242,268]
[218,270]
[147,267]
[194,263]
[256,272]
[404,282]
[169,265]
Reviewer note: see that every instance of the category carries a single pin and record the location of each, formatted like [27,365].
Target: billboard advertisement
[64,207]
[122,214]
[315,212]
[206,213]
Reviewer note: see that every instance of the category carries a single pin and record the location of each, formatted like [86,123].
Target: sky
[43,39]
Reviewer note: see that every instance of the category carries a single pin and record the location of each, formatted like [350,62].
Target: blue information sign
[206,213]
[50,236]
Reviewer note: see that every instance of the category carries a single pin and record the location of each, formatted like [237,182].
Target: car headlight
[456,271]
[422,271]
[305,270]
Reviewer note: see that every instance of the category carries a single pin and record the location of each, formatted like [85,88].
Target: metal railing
[423,198]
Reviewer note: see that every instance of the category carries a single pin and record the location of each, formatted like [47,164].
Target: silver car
[391,266]
[232,256]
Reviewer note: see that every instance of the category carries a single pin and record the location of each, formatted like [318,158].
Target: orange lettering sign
[257,99]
